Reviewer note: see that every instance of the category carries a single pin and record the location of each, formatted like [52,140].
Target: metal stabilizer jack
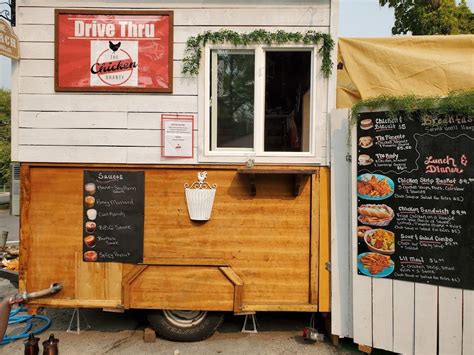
[254,324]
[77,314]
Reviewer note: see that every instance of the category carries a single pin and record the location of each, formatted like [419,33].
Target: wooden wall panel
[426,319]
[55,224]
[341,232]
[361,285]
[105,102]
[265,239]
[94,137]
[182,287]
[382,316]
[450,320]
[403,317]
[98,281]
[468,322]
[45,119]
[68,154]
[325,242]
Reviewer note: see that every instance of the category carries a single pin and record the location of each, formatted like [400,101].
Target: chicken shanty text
[127,29]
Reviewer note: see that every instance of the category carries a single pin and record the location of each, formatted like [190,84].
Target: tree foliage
[5,135]
[431,17]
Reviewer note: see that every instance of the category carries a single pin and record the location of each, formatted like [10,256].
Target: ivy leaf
[194,45]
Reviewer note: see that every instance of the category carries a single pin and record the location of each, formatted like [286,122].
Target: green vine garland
[195,44]
[461,102]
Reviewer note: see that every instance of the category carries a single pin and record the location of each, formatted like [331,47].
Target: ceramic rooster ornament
[201,177]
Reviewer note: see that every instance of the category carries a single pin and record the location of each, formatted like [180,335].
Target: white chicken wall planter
[200,198]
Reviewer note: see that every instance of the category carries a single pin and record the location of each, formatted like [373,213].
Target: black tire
[185,326]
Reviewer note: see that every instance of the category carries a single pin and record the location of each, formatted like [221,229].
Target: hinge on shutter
[348,157]
[328,266]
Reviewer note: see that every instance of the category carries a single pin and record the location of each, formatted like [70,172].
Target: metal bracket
[328,266]
[8,11]
[348,157]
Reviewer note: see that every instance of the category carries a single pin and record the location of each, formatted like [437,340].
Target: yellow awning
[418,65]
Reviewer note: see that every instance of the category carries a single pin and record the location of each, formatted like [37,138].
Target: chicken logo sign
[114,64]
[114,51]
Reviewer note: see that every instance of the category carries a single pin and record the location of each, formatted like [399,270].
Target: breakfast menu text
[415,198]
[113,218]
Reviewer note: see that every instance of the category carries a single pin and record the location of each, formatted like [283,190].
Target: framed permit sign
[114,51]
[177,136]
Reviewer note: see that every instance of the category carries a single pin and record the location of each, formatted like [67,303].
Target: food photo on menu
[366,124]
[375,244]
[366,142]
[379,242]
[375,214]
[375,264]
[374,187]
[90,225]
[365,159]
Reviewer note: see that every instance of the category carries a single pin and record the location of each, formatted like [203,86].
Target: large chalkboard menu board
[113,216]
[415,198]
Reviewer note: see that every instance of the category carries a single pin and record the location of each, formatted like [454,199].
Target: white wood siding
[399,316]
[341,305]
[125,128]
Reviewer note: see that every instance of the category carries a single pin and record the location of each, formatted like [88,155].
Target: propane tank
[50,346]
[31,345]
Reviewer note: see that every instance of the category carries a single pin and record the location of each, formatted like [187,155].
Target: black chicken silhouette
[114,47]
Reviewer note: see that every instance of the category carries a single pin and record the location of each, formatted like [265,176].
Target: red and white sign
[127,51]
[177,136]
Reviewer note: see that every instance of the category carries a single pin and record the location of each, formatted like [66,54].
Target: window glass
[287,101]
[232,99]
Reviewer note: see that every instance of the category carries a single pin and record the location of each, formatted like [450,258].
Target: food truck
[182,158]
[174,156]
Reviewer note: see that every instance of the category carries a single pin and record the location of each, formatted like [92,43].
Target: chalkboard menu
[415,198]
[113,216]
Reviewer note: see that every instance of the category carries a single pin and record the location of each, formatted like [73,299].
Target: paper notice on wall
[177,136]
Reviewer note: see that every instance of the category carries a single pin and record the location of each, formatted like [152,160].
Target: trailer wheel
[185,326]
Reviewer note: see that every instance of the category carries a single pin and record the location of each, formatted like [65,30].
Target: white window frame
[317,135]
[213,107]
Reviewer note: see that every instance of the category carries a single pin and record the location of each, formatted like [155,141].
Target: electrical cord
[16,318]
